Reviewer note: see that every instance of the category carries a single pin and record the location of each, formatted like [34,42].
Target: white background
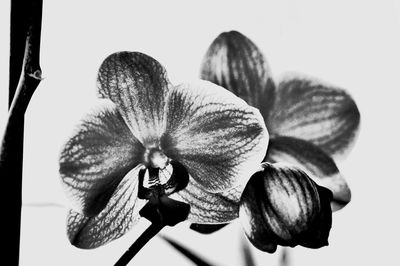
[353,44]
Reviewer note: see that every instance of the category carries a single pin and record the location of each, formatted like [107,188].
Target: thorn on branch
[36,75]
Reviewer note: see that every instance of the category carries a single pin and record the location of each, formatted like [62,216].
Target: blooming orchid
[311,124]
[190,147]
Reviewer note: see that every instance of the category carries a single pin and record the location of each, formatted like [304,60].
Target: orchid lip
[157,175]
[160,175]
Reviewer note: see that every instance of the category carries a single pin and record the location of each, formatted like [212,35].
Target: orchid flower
[188,149]
[311,124]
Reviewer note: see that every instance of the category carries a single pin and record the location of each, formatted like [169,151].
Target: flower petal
[93,162]
[207,228]
[119,215]
[281,205]
[207,207]
[319,233]
[234,62]
[318,165]
[217,137]
[137,84]
[308,109]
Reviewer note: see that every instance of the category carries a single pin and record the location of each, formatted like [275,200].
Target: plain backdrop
[353,44]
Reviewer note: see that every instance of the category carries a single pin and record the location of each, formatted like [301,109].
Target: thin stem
[159,210]
[145,237]
[25,26]
[284,260]
[196,259]
[247,255]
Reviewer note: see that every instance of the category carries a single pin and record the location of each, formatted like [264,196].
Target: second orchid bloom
[311,124]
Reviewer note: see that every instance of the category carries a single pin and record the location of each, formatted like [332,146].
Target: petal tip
[232,34]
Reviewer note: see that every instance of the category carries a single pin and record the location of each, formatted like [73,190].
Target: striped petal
[234,62]
[207,207]
[217,137]
[119,215]
[93,162]
[281,205]
[308,109]
[137,84]
[317,164]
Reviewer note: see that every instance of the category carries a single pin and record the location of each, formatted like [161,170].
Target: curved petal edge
[234,62]
[95,159]
[315,162]
[117,218]
[217,136]
[315,111]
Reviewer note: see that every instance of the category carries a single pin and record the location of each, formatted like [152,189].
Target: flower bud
[281,205]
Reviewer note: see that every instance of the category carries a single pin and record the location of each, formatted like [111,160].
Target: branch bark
[26,21]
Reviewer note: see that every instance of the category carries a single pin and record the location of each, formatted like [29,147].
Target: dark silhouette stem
[196,259]
[145,237]
[284,259]
[25,76]
[160,210]
[247,255]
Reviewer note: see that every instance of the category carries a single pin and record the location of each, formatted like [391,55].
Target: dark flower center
[162,177]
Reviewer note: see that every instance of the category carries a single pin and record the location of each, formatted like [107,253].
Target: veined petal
[319,233]
[319,166]
[234,62]
[217,137]
[137,84]
[119,215]
[207,207]
[281,205]
[93,162]
[308,109]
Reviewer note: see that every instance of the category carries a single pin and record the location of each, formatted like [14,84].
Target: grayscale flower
[195,143]
[311,124]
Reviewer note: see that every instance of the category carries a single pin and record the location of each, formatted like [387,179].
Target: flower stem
[25,75]
[284,259]
[248,257]
[145,237]
[160,210]
[196,259]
